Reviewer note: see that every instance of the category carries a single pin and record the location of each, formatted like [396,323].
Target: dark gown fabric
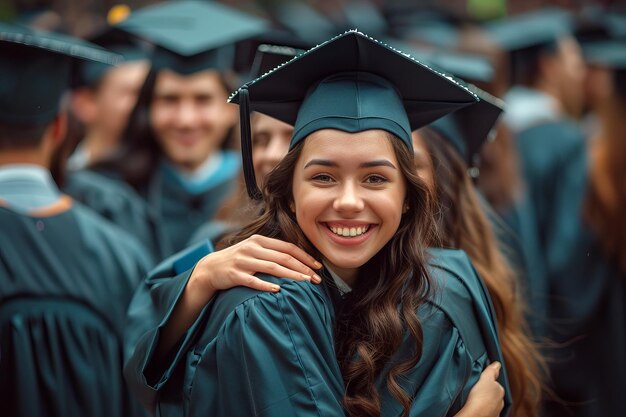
[587,311]
[65,283]
[265,354]
[545,151]
[176,212]
[116,202]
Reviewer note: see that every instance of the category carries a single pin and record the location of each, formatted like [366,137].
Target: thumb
[494,369]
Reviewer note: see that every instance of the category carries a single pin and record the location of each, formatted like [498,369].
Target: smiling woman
[391,330]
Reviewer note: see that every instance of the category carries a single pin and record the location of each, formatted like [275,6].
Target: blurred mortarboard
[35,70]
[532,29]
[268,57]
[351,83]
[362,14]
[470,67]
[611,53]
[469,128]
[117,41]
[191,35]
[306,23]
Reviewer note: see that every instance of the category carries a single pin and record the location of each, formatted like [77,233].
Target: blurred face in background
[423,161]
[270,143]
[190,116]
[598,87]
[569,76]
[104,108]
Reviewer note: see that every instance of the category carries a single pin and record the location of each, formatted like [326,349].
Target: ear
[292,207]
[59,128]
[405,208]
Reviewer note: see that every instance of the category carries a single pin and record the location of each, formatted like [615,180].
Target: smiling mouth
[348,231]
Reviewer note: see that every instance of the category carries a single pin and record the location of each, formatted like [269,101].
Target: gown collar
[27,187]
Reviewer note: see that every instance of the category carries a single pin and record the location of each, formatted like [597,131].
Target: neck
[347,275]
[98,146]
[23,156]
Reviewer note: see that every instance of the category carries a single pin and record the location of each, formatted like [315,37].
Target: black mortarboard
[469,128]
[191,35]
[35,69]
[119,42]
[351,83]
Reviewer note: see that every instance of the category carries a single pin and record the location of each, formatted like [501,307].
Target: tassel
[246,145]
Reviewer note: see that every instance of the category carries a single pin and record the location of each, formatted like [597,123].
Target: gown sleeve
[149,311]
[264,354]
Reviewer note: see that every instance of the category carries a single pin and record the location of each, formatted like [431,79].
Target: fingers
[281,264]
[253,282]
[287,248]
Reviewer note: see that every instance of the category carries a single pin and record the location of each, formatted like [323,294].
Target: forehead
[345,147]
[204,81]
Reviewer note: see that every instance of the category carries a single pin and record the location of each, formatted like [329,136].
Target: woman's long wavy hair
[463,225]
[139,153]
[382,308]
[606,192]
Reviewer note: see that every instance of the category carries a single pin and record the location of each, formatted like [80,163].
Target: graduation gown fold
[265,354]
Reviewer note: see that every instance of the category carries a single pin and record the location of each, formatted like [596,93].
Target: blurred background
[84,17]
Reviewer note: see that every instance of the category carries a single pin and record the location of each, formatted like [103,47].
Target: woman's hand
[486,399]
[236,265]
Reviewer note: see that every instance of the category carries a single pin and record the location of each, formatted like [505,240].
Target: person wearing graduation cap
[105,96]
[362,80]
[175,147]
[66,274]
[445,150]
[587,255]
[543,102]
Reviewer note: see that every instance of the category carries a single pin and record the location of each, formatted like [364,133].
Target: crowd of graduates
[207,213]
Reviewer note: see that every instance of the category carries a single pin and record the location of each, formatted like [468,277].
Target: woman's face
[423,161]
[349,195]
[270,144]
[190,116]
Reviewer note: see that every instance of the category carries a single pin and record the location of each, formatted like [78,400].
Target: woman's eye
[375,179]
[322,178]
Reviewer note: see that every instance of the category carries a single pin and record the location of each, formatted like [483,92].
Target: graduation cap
[268,57]
[119,42]
[469,128]
[35,69]
[611,53]
[351,83]
[191,35]
[528,35]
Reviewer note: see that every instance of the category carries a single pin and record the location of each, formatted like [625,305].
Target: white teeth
[349,231]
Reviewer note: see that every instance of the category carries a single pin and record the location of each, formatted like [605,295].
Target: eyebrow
[368,164]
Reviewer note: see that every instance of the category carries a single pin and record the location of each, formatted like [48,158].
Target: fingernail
[317,265]
[305,277]
[275,288]
[497,365]
[317,279]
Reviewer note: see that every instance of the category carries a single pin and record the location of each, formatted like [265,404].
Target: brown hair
[391,286]
[606,192]
[463,225]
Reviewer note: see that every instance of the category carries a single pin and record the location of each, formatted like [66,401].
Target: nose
[187,114]
[349,199]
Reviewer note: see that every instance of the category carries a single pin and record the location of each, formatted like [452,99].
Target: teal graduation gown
[258,353]
[116,202]
[587,311]
[66,279]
